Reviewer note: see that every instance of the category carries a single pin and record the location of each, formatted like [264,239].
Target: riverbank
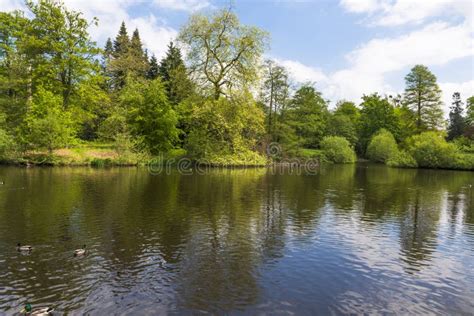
[108,155]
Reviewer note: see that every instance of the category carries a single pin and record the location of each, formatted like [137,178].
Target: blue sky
[348,47]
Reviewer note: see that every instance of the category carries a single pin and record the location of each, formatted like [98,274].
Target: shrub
[464,161]
[382,146]
[47,125]
[337,149]
[431,150]
[402,159]
[464,144]
[6,144]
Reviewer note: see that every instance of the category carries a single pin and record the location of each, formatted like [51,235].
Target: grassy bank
[87,154]
[107,154]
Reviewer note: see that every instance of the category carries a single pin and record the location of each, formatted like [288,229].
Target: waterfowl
[42,311]
[24,248]
[80,252]
[2,183]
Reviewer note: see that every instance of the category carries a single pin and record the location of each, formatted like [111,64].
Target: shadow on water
[350,239]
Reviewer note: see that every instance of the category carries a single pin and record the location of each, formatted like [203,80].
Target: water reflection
[350,239]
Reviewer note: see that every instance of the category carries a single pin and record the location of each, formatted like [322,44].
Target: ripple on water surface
[350,240]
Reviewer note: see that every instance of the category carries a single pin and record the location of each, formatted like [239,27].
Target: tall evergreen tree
[153,70]
[423,96]
[171,61]
[122,41]
[108,49]
[174,74]
[457,122]
[136,44]
[129,59]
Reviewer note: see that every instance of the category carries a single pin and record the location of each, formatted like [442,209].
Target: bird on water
[23,248]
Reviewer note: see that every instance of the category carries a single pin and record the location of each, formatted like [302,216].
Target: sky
[347,47]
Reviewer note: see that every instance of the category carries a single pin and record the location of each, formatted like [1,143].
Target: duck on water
[23,248]
[41,311]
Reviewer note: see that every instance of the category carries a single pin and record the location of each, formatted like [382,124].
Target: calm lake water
[351,239]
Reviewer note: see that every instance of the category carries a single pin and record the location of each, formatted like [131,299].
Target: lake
[349,239]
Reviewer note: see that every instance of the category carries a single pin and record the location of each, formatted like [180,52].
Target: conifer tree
[122,41]
[153,68]
[457,122]
[174,74]
[423,96]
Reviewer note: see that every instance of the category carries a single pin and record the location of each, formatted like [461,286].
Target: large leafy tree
[275,92]
[15,70]
[227,126]
[343,121]
[222,53]
[423,96]
[376,113]
[60,48]
[307,115]
[457,122]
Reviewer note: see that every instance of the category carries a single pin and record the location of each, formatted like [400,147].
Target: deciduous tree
[222,53]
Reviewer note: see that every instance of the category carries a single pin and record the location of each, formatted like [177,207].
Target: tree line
[219,102]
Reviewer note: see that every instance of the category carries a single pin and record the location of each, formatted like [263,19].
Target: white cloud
[154,32]
[154,37]
[300,72]
[184,5]
[466,89]
[11,5]
[400,12]
[370,64]
[362,6]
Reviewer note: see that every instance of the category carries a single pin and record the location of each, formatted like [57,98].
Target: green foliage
[337,150]
[423,96]
[224,127]
[470,110]
[406,119]
[382,146]
[47,125]
[150,116]
[376,114]
[464,144]
[430,150]
[307,115]
[402,159]
[59,47]
[6,140]
[342,125]
[348,109]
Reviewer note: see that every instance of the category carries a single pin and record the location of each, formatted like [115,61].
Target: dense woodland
[218,102]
